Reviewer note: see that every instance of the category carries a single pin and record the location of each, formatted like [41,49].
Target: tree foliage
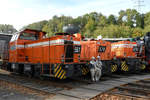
[56,24]
[129,23]
[5,28]
[37,25]
[112,20]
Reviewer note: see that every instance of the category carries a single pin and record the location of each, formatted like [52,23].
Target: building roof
[116,39]
[5,34]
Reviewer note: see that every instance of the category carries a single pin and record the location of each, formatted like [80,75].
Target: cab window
[28,36]
[14,37]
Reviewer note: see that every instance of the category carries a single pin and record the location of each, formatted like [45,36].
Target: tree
[56,24]
[147,19]
[137,32]
[112,20]
[37,25]
[140,20]
[90,27]
[120,20]
[129,23]
[102,21]
[128,17]
[5,28]
[114,31]
[146,29]
[131,17]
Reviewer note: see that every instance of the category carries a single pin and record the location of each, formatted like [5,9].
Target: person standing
[98,72]
[92,68]
[95,69]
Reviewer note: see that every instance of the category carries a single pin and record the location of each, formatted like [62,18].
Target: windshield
[28,36]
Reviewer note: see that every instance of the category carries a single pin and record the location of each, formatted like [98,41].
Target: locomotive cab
[17,51]
[31,35]
[18,41]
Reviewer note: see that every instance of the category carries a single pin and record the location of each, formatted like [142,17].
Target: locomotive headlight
[114,58]
[67,66]
[27,68]
[13,66]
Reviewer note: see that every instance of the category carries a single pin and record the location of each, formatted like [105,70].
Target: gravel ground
[6,94]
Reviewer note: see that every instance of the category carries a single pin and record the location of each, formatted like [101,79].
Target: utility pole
[139,4]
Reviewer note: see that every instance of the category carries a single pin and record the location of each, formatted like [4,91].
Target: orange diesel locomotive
[94,48]
[33,54]
[127,56]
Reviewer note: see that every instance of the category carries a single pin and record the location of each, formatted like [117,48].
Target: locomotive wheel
[41,77]
[85,70]
[29,75]
[147,69]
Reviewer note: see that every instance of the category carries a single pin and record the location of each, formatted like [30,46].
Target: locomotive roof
[33,30]
[29,30]
[115,39]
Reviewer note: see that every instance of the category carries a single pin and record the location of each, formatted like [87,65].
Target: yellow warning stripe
[59,72]
[113,68]
[85,70]
[124,67]
[62,76]
[57,66]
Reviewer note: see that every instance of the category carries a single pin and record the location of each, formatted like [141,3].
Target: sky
[20,13]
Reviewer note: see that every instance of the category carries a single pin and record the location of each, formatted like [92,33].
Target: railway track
[138,90]
[127,85]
